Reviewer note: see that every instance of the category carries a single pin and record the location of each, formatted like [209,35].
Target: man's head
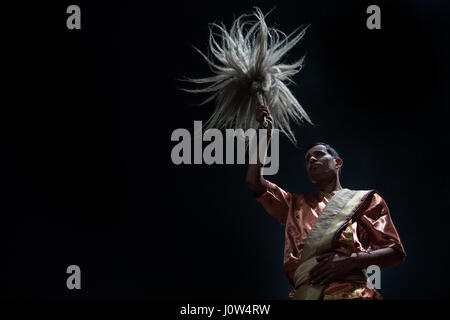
[322,162]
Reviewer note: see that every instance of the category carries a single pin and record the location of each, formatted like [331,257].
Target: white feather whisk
[248,73]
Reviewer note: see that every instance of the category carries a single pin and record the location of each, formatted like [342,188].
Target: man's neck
[327,187]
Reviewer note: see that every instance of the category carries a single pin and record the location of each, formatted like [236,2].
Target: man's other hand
[331,266]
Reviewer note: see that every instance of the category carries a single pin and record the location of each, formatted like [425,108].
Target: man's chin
[313,179]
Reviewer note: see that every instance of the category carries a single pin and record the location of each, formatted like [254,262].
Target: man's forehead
[320,147]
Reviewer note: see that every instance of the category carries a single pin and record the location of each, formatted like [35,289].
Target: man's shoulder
[372,199]
[369,193]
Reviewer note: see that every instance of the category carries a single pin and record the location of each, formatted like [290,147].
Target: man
[331,236]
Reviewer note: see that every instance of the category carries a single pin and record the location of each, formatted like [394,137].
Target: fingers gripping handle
[260,99]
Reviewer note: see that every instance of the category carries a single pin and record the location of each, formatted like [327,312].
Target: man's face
[320,164]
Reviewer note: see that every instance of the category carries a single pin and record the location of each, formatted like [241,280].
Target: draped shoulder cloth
[337,213]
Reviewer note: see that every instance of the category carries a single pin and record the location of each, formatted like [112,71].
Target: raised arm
[254,178]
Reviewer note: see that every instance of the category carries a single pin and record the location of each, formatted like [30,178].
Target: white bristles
[247,66]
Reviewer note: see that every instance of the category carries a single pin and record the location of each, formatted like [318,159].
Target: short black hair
[329,148]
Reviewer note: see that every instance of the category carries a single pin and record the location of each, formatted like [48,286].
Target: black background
[87,119]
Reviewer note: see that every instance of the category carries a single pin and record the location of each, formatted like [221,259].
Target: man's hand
[262,112]
[331,266]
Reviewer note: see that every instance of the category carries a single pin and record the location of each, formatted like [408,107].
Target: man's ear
[339,163]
